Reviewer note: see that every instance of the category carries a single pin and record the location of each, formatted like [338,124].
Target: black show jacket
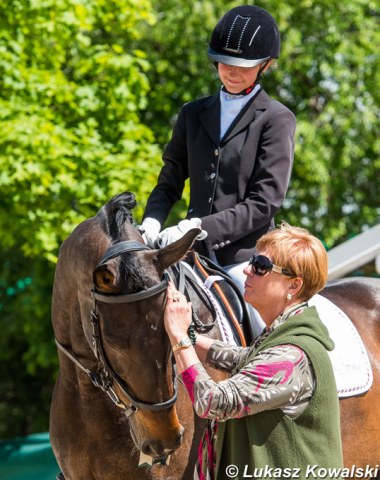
[238,183]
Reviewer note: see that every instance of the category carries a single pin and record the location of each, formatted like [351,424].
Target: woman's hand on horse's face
[177,317]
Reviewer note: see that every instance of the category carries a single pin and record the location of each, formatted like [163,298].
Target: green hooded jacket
[271,444]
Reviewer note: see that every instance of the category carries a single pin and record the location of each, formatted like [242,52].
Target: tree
[73,84]
[72,89]
[333,69]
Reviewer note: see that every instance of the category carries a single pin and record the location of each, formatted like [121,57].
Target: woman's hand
[177,316]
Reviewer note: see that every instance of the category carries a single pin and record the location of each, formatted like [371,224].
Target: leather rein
[104,380]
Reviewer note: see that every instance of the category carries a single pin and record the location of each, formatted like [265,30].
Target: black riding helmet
[245,36]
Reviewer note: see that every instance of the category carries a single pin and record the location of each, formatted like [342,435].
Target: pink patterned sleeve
[226,357]
[279,377]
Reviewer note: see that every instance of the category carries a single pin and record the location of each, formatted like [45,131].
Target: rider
[235,146]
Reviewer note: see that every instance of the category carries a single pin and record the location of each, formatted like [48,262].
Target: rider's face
[237,79]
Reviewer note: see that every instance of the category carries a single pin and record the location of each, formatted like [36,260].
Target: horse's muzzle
[159,450]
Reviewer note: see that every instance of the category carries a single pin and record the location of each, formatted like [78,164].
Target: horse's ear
[175,251]
[105,278]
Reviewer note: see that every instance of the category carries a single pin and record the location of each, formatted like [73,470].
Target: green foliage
[27,352]
[73,82]
[333,68]
[89,92]
[72,89]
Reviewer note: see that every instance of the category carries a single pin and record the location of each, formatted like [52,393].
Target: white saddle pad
[352,368]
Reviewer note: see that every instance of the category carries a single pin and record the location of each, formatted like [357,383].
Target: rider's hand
[150,228]
[172,234]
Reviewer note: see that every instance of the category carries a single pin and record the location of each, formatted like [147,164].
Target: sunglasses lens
[260,265]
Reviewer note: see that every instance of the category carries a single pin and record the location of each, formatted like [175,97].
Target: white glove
[172,234]
[150,228]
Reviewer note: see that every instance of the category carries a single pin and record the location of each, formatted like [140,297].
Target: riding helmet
[245,36]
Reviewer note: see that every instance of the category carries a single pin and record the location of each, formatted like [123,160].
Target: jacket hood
[306,323]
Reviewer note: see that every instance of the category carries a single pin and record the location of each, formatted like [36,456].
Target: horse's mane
[119,212]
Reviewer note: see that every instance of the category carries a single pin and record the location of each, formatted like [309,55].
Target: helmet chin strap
[260,72]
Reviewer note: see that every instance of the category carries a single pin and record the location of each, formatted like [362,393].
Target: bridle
[107,376]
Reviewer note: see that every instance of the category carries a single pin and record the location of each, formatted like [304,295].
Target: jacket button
[222,244]
[216,246]
[210,200]
[216,152]
[228,242]
[212,176]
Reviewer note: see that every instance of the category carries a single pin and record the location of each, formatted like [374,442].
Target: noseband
[107,375]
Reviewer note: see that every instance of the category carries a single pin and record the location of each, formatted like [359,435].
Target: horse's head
[130,294]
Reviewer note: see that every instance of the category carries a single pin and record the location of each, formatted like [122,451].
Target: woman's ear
[295,286]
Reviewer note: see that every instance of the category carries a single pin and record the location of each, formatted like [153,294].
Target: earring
[289,296]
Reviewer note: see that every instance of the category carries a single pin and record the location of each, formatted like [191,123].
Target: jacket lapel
[247,115]
[210,118]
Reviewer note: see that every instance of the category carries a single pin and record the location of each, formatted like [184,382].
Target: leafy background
[89,92]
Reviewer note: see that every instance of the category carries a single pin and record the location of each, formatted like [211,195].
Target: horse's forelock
[135,277]
[125,201]
[120,213]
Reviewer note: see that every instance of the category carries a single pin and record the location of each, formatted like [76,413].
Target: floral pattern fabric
[279,377]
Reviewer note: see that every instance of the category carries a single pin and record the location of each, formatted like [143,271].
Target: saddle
[226,294]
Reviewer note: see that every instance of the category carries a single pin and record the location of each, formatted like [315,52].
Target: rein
[107,375]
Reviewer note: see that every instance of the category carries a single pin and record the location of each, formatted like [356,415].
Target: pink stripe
[267,371]
[189,376]
[200,462]
[208,408]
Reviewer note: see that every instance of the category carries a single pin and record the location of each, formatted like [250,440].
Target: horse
[359,299]
[107,315]
[116,394]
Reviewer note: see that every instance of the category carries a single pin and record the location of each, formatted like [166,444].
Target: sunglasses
[261,265]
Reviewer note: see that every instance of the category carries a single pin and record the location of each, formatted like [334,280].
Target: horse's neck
[130,233]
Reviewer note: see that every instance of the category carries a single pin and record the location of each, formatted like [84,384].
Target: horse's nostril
[154,449]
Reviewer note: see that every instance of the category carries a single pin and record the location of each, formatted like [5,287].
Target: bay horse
[359,298]
[107,315]
[116,394]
